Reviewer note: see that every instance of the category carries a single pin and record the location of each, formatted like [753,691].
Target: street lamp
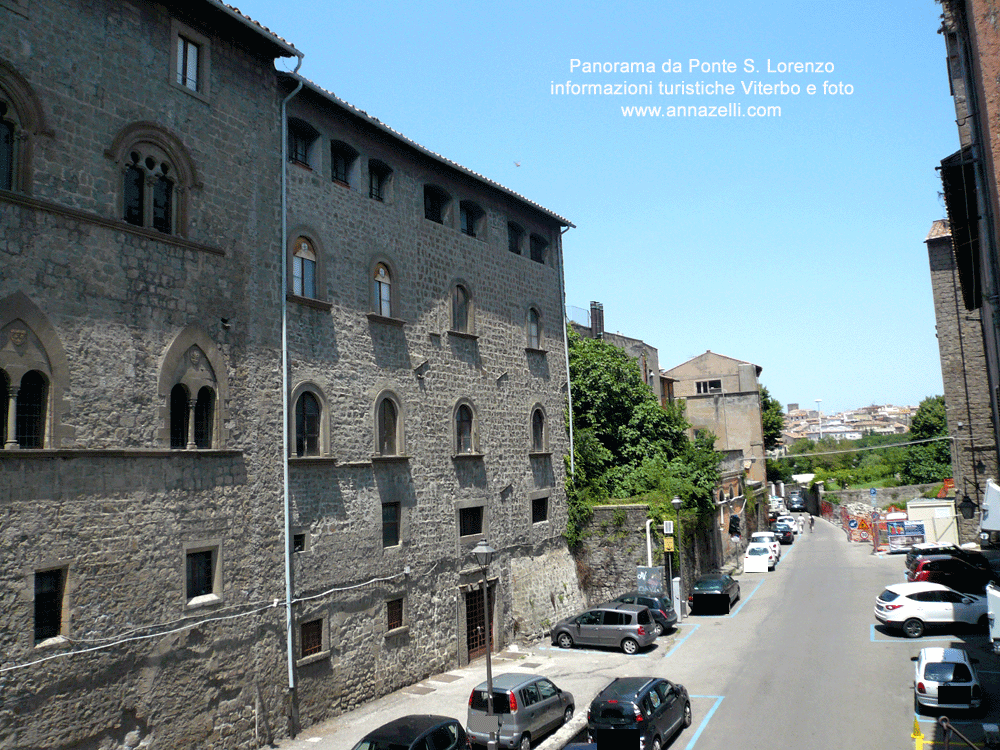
[967,508]
[677,502]
[819,418]
[484,556]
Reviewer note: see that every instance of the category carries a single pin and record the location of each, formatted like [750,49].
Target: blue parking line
[704,722]
[746,599]
[679,643]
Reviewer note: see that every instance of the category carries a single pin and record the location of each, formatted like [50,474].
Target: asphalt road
[798,663]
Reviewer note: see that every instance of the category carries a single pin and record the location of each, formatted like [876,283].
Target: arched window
[148,189]
[30,420]
[22,120]
[179,412]
[304,268]
[307,421]
[460,309]
[383,290]
[463,429]
[534,329]
[537,431]
[204,416]
[4,407]
[6,149]
[387,428]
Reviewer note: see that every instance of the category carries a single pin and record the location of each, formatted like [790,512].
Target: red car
[951,571]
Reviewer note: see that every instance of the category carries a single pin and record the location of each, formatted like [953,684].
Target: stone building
[152,448]
[722,395]
[971,180]
[963,372]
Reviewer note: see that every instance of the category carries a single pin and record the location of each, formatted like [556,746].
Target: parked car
[649,709]
[758,558]
[952,571]
[946,678]
[770,538]
[713,592]
[417,732]
[784,532]
[625,626]
[796,503]
[528,705]
[915,606]
[660,606]
[791,521]
[973,557]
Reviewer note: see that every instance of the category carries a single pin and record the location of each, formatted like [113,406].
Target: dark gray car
[660,606]
[638,712]
[613,625]
[528,705]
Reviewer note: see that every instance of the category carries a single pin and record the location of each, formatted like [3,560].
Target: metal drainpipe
[569,386]
[289,640]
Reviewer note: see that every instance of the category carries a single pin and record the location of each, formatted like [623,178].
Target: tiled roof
[259,27]
[939,228]
[374,121]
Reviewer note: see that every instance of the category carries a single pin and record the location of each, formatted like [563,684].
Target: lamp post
[819,419]
[484,556]
[677,502]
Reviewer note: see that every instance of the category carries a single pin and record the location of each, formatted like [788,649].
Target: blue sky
[794,242]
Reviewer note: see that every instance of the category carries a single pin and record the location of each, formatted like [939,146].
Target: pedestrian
[812,522]
[800,524]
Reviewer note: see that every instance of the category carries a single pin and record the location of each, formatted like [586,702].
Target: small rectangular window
[394,612]
[538,248]
[709,386]
[390,524]
[378,180]
[187,63]
[539,509]
[200,573]
[470,521]
[50,586]
[298,542]
[312,637]
[514,235]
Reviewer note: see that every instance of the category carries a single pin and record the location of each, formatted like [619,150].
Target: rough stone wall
[546,589]
[885,496]
[105,499]
[351,358]
[963,371]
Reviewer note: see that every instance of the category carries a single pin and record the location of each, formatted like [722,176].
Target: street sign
[872,492]
[668,527]
[668,544]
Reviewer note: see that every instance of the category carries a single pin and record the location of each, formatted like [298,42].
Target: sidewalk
[446,694]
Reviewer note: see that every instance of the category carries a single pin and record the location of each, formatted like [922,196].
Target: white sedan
[769,538]
[758,558]
[914,606]
[946,678]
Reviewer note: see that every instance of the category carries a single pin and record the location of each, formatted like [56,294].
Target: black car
[659,605]
[784,532]
[952,571]
[638,712]
[417,732]
[796,504]
[973,557]
[717,591]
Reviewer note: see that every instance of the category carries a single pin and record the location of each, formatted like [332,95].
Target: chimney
[597,320]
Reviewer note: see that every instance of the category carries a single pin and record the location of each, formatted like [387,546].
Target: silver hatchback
[625,626]
[527,705]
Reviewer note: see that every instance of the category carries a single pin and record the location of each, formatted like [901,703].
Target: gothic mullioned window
[304,268]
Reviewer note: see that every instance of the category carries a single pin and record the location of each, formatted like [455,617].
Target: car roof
[408,728]
[712,577]
[938,653]
[911,588]
[511,680]
[624,687]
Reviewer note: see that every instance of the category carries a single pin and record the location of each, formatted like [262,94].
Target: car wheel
[630,646]
[656,743]
[687,714]
[658,629]
[525,743]
[567,714]
[913,628]
[565,640]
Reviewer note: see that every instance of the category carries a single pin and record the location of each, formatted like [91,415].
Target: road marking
[704,722]
[744,600]
[678,644]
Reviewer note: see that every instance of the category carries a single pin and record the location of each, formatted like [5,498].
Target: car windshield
[946,671]
[714,584]
[758,551]
[888,596]
[379,745]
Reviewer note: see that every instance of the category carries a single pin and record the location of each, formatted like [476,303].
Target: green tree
[928,462]
[772,418]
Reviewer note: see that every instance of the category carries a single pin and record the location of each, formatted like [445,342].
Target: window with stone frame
[50,590]
[382,290]
[464,438]
[539,509]
[302,138]
[460,309]
[391,524]
[190,61]
[394,613]
[388,427]
[539,248]
[148,189]
[534,329]
[515,238]
[379,175]
[311,637]
[470,521]
[203,573]
[30,404]
[188,72]
[436,203]
[537,431]
[342,159]
[192,423]
[304,268]
[472,217]
[307,425]
[7,130]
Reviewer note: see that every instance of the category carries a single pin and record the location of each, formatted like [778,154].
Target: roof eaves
[257,27]
[375,122]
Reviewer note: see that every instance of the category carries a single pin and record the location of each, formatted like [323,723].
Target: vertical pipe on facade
[289,629]
[569,385]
